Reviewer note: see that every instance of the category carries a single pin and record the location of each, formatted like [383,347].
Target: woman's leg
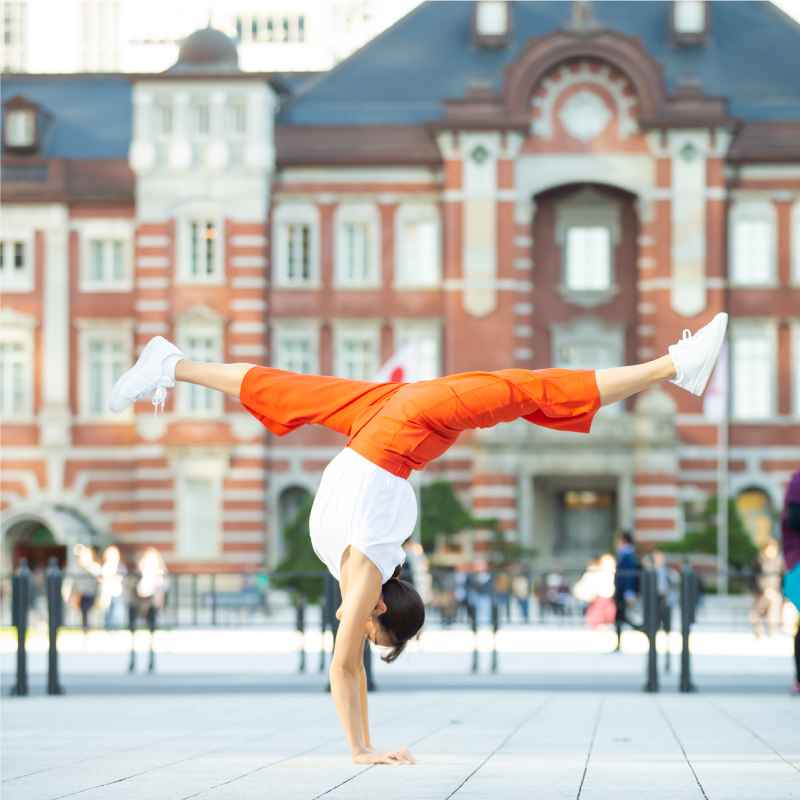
[618,383]
[222,377]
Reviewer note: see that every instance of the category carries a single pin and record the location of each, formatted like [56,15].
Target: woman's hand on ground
[372,756]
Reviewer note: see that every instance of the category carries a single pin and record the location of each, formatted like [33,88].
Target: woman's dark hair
[404,615]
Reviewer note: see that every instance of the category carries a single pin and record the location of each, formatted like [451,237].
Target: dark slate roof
[91,113]
[752,57]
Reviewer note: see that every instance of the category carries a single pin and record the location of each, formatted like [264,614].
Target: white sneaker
[694,356]
[155,369]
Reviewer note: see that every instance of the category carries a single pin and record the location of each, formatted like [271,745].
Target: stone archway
[39,532]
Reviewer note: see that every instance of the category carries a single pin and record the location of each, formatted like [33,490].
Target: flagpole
[722,488]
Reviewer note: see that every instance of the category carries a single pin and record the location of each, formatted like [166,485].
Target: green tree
[702,538]
[300,556]
[442,512]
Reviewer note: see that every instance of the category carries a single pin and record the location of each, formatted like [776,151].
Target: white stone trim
[104,230]
[288,213]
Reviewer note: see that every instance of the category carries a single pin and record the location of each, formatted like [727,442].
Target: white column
[260,141]
[217,152]
[142,154]
[180,150]
[55,413]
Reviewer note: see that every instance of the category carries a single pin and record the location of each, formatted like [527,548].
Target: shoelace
[160,397]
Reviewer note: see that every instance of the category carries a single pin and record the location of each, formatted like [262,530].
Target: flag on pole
[402,367]
[715,399]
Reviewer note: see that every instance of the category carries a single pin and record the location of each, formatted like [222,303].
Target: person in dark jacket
[790,533]
[626,584]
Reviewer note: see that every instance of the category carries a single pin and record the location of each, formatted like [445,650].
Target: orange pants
[404,426]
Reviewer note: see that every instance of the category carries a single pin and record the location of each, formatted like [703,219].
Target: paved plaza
[471,744]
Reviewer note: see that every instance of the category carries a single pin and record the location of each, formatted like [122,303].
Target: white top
[361,504]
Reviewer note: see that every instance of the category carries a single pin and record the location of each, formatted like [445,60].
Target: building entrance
[585,523]
[35,542]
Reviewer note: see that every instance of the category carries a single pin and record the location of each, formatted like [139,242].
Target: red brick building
[504,184]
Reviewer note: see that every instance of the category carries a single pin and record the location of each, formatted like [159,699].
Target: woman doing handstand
[365,508]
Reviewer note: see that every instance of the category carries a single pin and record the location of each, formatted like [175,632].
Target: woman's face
[373,630]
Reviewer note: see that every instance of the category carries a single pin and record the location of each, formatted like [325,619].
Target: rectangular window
[298,252]
[285,29]
[752,252]
[753,373]
[357,354]
[107,359]
[301,28]
[355,253]
[164,119]
[427,351]
[16,273]
[202,119]
[14,36]
[199,531]
[15,378]
[202,249]
[254,29]
[20,126]
[270,29]
[297,351]
[200,401]
[420,254]
[588,259]
[239,29]
[107,262]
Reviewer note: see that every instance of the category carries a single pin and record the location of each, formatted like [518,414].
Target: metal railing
[224,599]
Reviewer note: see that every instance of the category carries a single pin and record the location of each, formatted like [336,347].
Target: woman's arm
[362,693]
[347,664]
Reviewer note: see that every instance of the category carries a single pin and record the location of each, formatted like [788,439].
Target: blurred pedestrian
[85,585]
[667,582]
[502,593]
[558,591]
[521,589]
[112,578]
[626,584]
[595,588]
[150,594]
[768,597]
[790,532]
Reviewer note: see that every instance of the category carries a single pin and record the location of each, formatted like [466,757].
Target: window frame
[410,214]
[23,282]
[284,331]
[201,217]
[739,329]
[107,231]
[756,211]
[185,330]
[794,235]
[13,331]
[588,208]
[368,215]
[609,247]
[101,330]
[213,471]
[363,330]
[406,330]
[284,215]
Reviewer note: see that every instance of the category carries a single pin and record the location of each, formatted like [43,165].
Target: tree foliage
[703,538]
[300,556]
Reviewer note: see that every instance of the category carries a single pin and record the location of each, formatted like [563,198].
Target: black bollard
[688,601]
[650,592]
[20,605]
[213,599]
[55,615]
[371,687]
[301,630]
[151,624]
[495,626]
[333,599]
[472,611]
[133,612]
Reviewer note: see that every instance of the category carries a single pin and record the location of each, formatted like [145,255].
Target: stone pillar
[218,152]
[180,149]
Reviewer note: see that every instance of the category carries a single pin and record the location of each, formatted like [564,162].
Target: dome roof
[206,51]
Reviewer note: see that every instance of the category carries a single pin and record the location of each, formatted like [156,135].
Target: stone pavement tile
[635,753]
[730,763]
[545,758]
[770,722]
